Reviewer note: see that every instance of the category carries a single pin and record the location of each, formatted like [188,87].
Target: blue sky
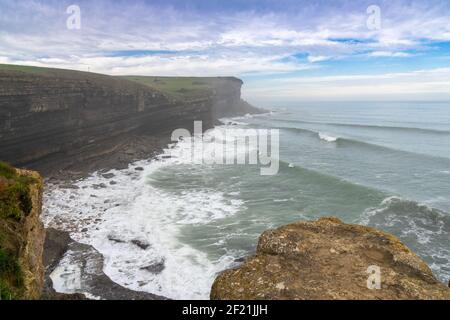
[283,50]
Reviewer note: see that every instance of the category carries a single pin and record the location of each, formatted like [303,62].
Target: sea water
[383,164]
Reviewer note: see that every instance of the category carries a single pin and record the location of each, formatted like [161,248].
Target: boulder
[328,259]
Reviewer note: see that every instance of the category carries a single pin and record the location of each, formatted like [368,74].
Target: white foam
[422,228]
[132,209]
[327,138]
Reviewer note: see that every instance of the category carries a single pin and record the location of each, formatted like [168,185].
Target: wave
[423,229]
[115,217]
[368,126]
[343,142]
[327,138]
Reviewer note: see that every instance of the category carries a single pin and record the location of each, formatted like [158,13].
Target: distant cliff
[54,119]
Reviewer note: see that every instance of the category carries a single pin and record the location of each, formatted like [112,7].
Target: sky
[284,50]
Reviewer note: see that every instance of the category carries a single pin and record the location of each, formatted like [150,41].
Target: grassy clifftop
[182,87]
[174,87]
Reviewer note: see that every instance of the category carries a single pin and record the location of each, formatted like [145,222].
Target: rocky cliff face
[54,118]
[327,259]
[21,235]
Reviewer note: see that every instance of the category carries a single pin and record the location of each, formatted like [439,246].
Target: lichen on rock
[328,259]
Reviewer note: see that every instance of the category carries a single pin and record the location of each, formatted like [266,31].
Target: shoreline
[120,159]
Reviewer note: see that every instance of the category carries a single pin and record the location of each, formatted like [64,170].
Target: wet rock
[327,259]
[112,182]
[88,264]
[141,244]
[99,186]
[55,246]
[69,186]
[115,239]
[155,268]
[139,169]
[239,260]
[108,175]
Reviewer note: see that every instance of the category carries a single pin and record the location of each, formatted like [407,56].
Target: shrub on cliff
[7,171]
[11,278]
[15,200]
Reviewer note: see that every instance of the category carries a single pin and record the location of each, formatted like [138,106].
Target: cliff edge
[22,234]
[54,119]
[327,259]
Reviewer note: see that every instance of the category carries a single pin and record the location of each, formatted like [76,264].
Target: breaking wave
[425,230]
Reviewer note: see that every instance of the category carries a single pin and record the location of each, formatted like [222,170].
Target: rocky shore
[328,259]
[67,124]
[323,259]
[89,264]
[54,120]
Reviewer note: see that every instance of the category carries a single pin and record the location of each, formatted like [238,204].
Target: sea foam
[115,218]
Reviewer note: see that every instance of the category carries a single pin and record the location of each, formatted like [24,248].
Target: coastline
[133,158]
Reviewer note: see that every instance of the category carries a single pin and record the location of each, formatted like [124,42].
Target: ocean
[384,164]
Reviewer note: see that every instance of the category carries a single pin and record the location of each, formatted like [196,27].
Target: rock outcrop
[53,119]
[22,235]
[327,259]
[88,263]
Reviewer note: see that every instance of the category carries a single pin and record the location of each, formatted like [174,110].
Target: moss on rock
[328,259]
[15,200]
[21,234]
[11,277]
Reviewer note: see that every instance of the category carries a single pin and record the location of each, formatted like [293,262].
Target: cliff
[327,259]
[21,234]
[53,119]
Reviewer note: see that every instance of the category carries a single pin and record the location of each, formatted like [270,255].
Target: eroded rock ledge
[327,259]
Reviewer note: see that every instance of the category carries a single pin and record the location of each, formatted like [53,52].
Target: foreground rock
[327,259]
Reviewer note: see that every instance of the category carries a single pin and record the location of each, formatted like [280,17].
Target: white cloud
[228,42]
[317,58]
[390,54]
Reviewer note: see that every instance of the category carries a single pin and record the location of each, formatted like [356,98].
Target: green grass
[15,204]
[11,277]
[28,69]
[15,200]
[178,87]
[7,171]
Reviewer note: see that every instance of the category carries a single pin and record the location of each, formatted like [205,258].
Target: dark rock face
[89,262]
[58,119]
[155,268]
[141,244]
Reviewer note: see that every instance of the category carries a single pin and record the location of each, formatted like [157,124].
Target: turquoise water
[382,164]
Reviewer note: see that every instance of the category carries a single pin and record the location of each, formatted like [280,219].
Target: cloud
[390,54]
[317,58]
[218,38]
